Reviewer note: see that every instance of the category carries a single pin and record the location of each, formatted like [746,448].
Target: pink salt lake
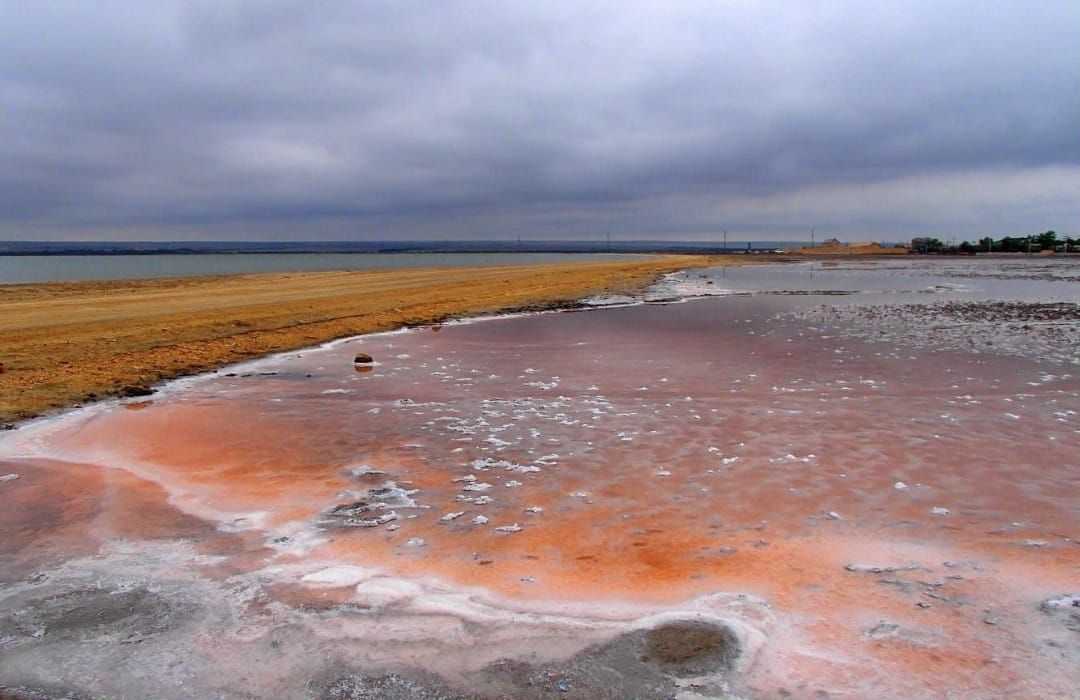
[896,514]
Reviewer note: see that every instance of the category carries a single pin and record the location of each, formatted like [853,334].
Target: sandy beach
[63,344]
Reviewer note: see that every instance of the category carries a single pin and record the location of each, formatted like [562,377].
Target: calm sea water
[48,268]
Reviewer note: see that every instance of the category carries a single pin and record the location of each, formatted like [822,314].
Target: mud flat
[703,494]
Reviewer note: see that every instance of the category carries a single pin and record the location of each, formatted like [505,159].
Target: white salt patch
[382,592]
[509,528]
[365,470]
[792,458]
[1062,602]
[900,486]
[480,520]
[337,576]
[416,542]
[452,516]
[9,477]
[482,486]
[939,511]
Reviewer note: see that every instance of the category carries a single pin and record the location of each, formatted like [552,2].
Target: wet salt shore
[1049,332]
[785,490]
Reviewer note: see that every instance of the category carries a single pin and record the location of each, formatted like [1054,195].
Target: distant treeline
[1048,240]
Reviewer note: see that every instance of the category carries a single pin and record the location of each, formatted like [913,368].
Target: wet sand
[546,505]
[67,343]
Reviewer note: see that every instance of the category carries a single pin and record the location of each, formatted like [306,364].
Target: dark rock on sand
[691,648]
[134,390]
[362,358]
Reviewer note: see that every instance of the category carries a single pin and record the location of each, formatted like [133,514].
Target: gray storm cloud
[417,119]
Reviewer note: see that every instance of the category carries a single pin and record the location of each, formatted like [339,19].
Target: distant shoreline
[17,248]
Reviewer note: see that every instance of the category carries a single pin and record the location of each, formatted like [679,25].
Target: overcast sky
[231,119]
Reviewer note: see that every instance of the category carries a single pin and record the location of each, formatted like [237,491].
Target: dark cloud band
[487,119]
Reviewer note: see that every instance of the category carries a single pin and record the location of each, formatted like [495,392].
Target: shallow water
[884,518]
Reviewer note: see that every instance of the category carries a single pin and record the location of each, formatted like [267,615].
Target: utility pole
[725,240]
[812,232]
